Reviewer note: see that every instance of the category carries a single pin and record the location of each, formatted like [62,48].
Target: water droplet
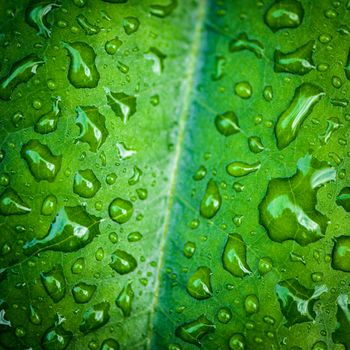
[82,71]
[284,14]
[243,89]
[224,315]
[12,204]
[136,176]
[92,125]
[296,301]
[220,63]
[83,292]
[157,57]
[317,276]
[95,317]
[333,124]
[211,201]
[111,178]
[79,3]
[124,152]
[72,229]
[343,198]
[239,169]
[34,316]
[110,344]
[131,25]
[113,45]
[234,256]
[42,163]
[78,266]
[288,210]
[251,304]
[341,333]
[268,93]
[227,123]
[88,28]
[20,72]
[122,262]
[54,283]
[200,173]
[237,342]
[120,210]
[289,122]
[242,42]
[341,254]
[298,61]
[125,299]
[163,11]
[199,285]
[48,122]
[320,345]
[123,105]
[255,144]
[134,236]
[192,332]
[337,82]
[36,16]
[189,249]
[56,338]
[86,184]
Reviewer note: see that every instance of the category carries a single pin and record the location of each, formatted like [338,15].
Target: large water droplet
[120,210]
[227,123]
[95,317]
[251,304]
[125,299]
[296,62]
[12,204]
[92,125]
[192,332]
[341,254]
[86,184]
[211,201]
[123,105]
[20,72]
[199,285]
[48,122]
[82,71]
[56,338]
[122,262]
[289,122]
[54,283]
[288,210]
[284,14]
[234,256]
[42,163]
[131,25]
[72,229]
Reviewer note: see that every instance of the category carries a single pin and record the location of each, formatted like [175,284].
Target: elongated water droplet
[255,144]
[42,163]
[122,262]
[347,67]
[36,16]
[341,254]
[296,301]
[199,285]
[82,72]
[120,210]
[123,105]
[251,304]
[211,201]
[72,229]
[220,63]
[34,316]
[333,124]
[268,93]
[343,198]
[234,256]
[157,57]
[239,169]
[288,210]
[83,292]
[135,178]
[92,125]
[163,11]
[86,184]
[296,62]
[289,122]
[227,123]
[95,317]
[54,283]
[192,332]
[242,42]
[19,73]
[12,204]
[56,338]
[48,122]
[88,28]
[125,299]
[284,14]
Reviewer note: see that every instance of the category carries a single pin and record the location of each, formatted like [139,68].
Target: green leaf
[174,174]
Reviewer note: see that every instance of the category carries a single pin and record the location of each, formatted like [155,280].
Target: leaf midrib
[190,78]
